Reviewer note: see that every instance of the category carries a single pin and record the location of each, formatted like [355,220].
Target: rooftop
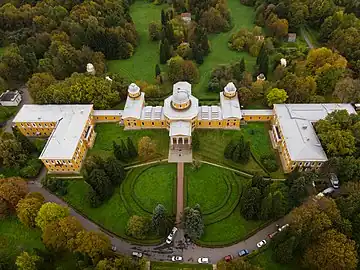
[209,113]
[70,123]
[134,106]
[296,123]
[152,113]
[256,112]
[230,106]
[180,128]
[9,95]
[108,112]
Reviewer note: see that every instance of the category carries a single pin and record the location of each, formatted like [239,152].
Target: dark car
[243,252]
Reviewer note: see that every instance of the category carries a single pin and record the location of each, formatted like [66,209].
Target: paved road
[179,192]
[26,99]
[162,252]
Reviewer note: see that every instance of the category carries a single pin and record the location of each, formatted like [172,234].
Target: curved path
[162,252]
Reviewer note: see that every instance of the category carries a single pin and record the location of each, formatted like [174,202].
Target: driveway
[162,252]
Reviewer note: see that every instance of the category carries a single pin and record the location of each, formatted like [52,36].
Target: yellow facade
[257,118]
[36,129]
[106,118]
[153,123]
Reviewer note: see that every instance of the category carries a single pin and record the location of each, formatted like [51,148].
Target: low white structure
[261,77]
[90,69]
[283,62]
[10,98]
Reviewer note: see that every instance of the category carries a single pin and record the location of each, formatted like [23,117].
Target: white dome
[133,90]
[180,97]
[230,88]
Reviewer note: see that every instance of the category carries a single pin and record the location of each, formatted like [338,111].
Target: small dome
[230,90]
[134,90]
[180,99]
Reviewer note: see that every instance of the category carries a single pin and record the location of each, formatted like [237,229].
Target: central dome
[181,96]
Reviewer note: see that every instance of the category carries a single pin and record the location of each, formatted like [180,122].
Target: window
[128,124]
[300,164]
[69,161]
[45,125]
[105,117]
[134,124]
[51,124]
[162,123]
[219,123]
[250,117]
[199,123]
[33,124]
[307,164]
[209,123]
[28,125]
[39,125]
[22,124]
[152,123]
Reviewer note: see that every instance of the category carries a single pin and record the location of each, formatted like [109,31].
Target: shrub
[154,31]
[94,199]
[269,163]
[138,227]
[58,186]
[32,168]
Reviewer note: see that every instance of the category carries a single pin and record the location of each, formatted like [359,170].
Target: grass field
[178,266]
[156,185]
[264,259]
[141,66]
[140,192]
[220,190]
[213,143]
[16,237]
[109,132]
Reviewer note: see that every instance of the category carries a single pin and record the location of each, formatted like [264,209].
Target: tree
[154,31]
[12,155]
[28,146]
[131,148]
[333,250]
[146,147]
[50,212]
[279,204]
[25,261]
[229,149]
[60,235]
[118,152]
[137,227]
[12,190]
[264,65]
[38,83]
[318,60]
[338,142]
[193,222]
[114,170]
[298,191]
[284,252]
[245,95]
[182,70]
[121,262]
[3,85]
[347,90]
[124,150]
[93,244]
[100,183]
[157,70]
[250,203]
[276,96]
[27,210]
[163,18]
[266,207]
[158,220]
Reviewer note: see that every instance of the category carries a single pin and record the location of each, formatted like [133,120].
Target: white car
[171,235]
[283,227]
[334,180]
[261,243]
[176,258]
[203,260]
[137,254]
[113,248]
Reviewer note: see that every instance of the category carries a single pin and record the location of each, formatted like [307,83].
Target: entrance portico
[180,142]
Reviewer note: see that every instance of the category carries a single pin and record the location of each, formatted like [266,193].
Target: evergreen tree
[131,148]
[162,53]
[167,50]
[236,156]
[229,149]
[169,33]
[124,150]
[264,65]
[261,55]
[26,144]
[117,151]
[158,220]
[242,65]
[114,170]
[157,70]
[266,207]
[163,18]
[245,153]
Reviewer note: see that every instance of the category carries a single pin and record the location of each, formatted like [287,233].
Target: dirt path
[179,192]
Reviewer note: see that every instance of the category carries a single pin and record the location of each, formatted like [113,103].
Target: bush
[54,185]
[94,199]
[154,31]
[32,168]
[269,163]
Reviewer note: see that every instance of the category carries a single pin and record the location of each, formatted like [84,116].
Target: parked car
[243,252]
[137,254]
[203,260]
[228,258]
[261,243]
[176,258]
[334,180]
[169,239]
[283,227]
[328,191]
[113,248]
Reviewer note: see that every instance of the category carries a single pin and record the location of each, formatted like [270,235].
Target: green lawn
[140,192]
[15,238]
[264,259]
[156,185]
[109,132]
[242,17]
[206,186]
[141,66]
[178,266]
[219,190]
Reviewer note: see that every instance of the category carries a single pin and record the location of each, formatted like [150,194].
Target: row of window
[259,117]
[45,125]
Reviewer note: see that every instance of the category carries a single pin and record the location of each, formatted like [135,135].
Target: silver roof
[230,106]
[180,128]
[133,107]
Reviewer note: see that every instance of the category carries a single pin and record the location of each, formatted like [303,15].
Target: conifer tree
[163,17]
[125,151]
[261,55]
[169,33]
[229,149]
[242,65]
[236,155]
[117,151]
[162,53]
[157,72]
[264,65]
[131,148]
[167,50]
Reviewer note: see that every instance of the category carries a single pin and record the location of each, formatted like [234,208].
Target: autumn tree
[50,212]
[26,261]
[12,155]
[93,244]
[236,264]
[12,190]
[333,250]
[27,210]
[276,96]
[182,70]
[60,235]
[137,227]
[146,147]
[38,83]
[347,90]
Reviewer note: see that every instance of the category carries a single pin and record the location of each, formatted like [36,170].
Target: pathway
[305,36]
[144,164]
[179,192]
